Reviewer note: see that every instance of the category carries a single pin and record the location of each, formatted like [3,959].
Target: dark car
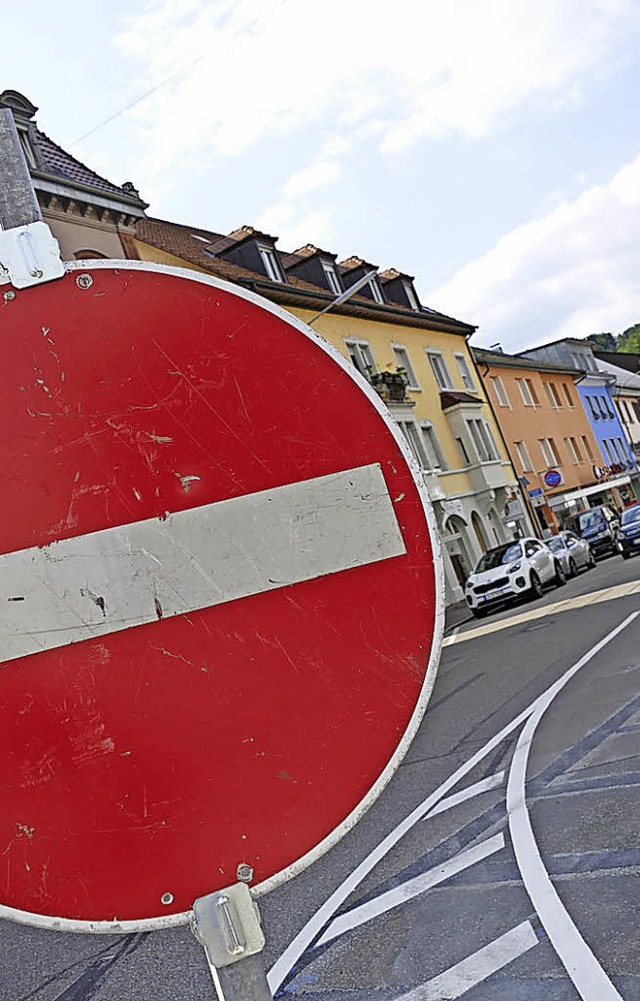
[629,532]
[599,527]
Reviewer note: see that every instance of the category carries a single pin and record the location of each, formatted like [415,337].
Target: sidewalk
[455,615]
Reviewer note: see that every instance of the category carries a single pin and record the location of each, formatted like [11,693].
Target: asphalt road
[512,862]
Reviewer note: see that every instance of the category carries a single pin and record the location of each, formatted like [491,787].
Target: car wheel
[573,570]
[479,613]
[625,555]
[592,560]
[535,588]
[561,577]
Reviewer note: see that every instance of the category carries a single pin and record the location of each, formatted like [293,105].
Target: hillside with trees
[628,342]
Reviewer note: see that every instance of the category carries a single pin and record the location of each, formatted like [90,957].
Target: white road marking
[325,912]
[587,975]
[411,888]
[485,785]
[459,979]
[590,598]
[127,576]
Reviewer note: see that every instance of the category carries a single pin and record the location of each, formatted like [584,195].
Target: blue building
[617,476]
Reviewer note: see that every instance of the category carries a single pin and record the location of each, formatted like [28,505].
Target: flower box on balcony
[391,386]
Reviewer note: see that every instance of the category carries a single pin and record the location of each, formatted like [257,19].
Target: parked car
[512,571]
[572,552]
[599,527]
[629,533]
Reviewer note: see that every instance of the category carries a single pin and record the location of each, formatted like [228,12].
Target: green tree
[629,340]
[605,342]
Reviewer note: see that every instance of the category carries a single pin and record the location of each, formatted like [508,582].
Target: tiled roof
[352,262]
[55,160]
[391,273]
[197,247]
[503,360]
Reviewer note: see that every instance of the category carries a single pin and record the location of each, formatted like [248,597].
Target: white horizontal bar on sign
[114,579]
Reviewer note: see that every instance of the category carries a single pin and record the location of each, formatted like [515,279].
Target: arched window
[89,255]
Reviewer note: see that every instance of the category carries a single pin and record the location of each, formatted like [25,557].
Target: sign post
[220,605]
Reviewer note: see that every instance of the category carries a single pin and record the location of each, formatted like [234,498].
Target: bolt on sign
[220,600]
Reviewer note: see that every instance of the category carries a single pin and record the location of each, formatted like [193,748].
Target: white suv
[510,571]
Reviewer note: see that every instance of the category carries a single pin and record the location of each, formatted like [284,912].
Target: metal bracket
[227,924]
[29,255]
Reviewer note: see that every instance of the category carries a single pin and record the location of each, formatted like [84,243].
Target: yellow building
[417,359]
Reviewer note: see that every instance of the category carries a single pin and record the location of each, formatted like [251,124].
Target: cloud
[252,70]
[571,273]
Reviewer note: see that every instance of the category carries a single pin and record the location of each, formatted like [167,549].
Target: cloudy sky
[491,148]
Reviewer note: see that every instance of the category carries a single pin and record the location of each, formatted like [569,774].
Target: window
[592,407]
[424,445]
[27,148]
[524,457]
[375,291]
[567,394]
[587,446]
[463,452]
[527,392]
[436,459]
[609,452]
[636,407]
[499,391]
[440,370]
[553,394]
[271,264]
[401,356]
[609,407]
[88,255]
[549,453]
[482,439]
[584,360]
[622,452]
[465,374]
[412,298]
[362,357]
[573,450]
[628,411]
[331,275]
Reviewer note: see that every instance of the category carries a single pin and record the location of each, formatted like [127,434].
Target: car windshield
[631,514]
[499,557]
[590,519]
[556,544]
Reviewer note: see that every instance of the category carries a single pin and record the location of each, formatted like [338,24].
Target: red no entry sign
[219,609]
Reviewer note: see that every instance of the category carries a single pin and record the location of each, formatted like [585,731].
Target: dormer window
[27,148]
[375,291]
[331,275]
[412,298]
[270,262]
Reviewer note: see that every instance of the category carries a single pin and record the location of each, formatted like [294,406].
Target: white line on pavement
[485,785]
[587,975]
[580,601]
[130,575]
[457,980]
[411,888]
[325,912]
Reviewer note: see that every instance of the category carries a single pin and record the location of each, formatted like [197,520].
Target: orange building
[545,428]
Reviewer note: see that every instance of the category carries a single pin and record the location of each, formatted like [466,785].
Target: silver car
[572,552]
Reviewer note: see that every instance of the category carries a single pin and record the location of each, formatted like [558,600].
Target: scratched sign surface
[217,595]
